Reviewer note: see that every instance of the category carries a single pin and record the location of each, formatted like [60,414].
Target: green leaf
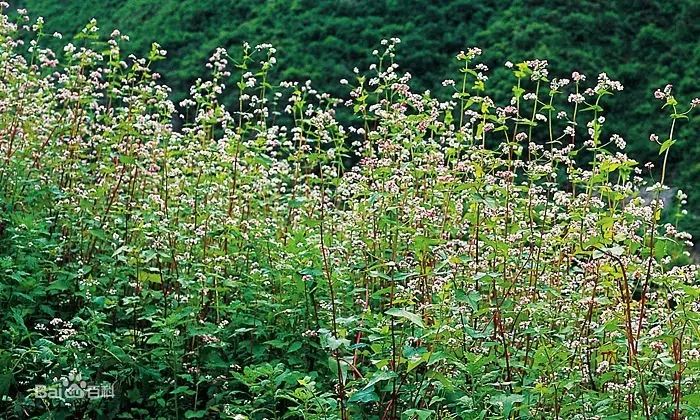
[402,313]
[472,298]
[59,285]
[333,366]
[120,250]
[692,399]
[667,361]
[507,401]
[183,389]
[126,160]
[334,343]
[146,277]
[665,145]
[364,396]
[414,363]
[518,92]
[98,233]
[597,108]
[383,375]
[415,413]
[154,339]
[5,382]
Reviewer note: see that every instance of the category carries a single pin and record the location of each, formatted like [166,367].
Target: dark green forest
[644,44]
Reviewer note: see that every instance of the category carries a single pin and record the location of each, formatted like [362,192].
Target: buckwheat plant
[253,252]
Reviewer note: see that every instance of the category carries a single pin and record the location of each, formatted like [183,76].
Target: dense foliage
[642,43]
[436,256]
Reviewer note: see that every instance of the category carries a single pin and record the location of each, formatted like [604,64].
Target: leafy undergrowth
[440,258]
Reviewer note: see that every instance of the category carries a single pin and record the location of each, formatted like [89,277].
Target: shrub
[432,258]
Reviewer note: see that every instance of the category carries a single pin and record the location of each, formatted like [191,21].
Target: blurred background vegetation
[643,43]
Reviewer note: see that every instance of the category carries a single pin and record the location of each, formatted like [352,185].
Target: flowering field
[389,254]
